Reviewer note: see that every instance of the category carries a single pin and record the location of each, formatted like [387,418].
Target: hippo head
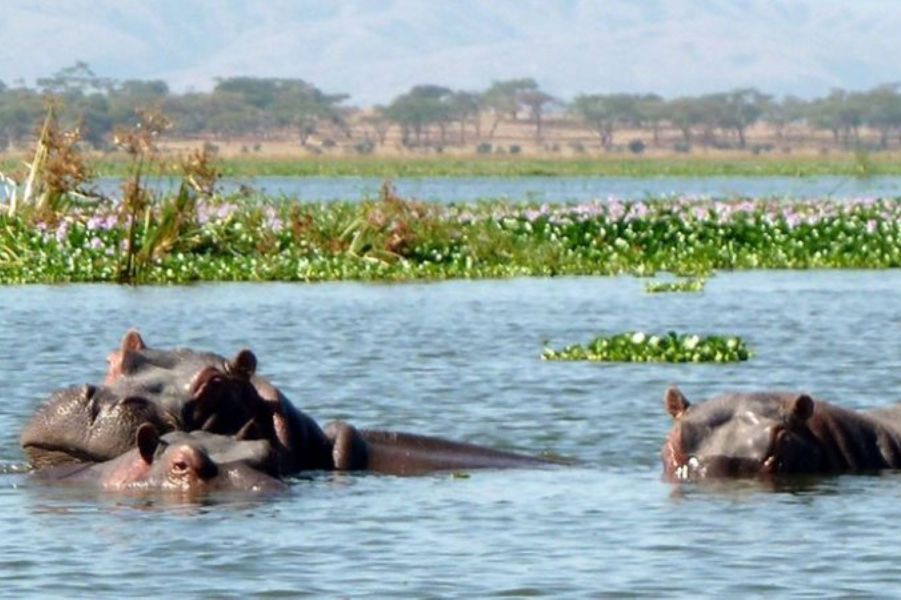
[173,390]
[184,463]
[201,389]
[740,435]
[87,424]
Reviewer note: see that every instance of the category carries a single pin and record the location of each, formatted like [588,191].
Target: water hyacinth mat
[263,239]
[637,346]
[692,285]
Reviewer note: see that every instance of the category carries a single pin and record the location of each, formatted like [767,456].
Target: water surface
[460,359]
[550,189]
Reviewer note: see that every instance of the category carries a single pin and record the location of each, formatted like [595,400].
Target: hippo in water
[187,390]
[768,433]
[176,463]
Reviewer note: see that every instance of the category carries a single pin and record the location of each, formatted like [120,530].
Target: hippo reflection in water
[187,390]
[767,434]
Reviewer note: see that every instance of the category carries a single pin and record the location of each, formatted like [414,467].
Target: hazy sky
[376,49]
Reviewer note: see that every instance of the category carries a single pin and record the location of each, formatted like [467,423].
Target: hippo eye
[179,466]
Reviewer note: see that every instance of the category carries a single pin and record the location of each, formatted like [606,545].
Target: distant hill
[375,50]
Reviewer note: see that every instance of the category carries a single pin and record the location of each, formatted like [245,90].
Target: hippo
[178,462]
[188,390]
[766,434]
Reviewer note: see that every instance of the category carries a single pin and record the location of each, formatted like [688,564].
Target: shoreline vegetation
[185,238]
[847,165]
[52,230]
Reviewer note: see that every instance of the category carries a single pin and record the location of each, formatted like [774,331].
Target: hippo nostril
[94,409]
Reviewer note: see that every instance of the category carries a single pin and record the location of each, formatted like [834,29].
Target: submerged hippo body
[766,434]
[187,390]
[176,463]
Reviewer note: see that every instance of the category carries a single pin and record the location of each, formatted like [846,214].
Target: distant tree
[602,113]
[883,111]
[77,79]
[418,109]
[685,114]
[737,110]
[464,107]
[127,97]
[380,123]
[650,110]
[190,113]
[841,112]
[535,100]
[264,103]
[782,114]
[503,97]
[20,109]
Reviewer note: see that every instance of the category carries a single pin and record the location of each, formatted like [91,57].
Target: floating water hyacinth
[392,239]
[636,346]
[682,285]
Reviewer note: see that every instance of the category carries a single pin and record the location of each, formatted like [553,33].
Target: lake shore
[616,165]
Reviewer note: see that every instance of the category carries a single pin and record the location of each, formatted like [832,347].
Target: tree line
[437,116]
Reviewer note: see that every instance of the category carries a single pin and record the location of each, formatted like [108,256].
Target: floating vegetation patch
[192,236]
[636,346]
[681,285]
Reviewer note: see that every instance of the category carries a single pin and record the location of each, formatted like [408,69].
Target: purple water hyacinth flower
[792,220]
[96,243]
[62,231]
[95,222]
[225,211]
[274,223]
[110,222]
[637,211]
[871,226]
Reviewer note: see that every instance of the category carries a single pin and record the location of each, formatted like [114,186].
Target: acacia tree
[464,107]
[685,114]
[737,110]
[418,109]
[650,111]
[840,112]
[535,100]
[502,98]
[883,111]
[602,113]
[780,115]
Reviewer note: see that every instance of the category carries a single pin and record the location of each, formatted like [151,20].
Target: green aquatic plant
[636,346]
[681,285]
[190,236]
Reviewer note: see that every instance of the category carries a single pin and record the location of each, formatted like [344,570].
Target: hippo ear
[801,408]
[148,440]
[133,341]
[675,402]
[244,363]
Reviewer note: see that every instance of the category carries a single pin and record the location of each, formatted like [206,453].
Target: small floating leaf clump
[636,346]
[683,285]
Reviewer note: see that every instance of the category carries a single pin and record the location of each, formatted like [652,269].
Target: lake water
[551,189]
[461,360]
